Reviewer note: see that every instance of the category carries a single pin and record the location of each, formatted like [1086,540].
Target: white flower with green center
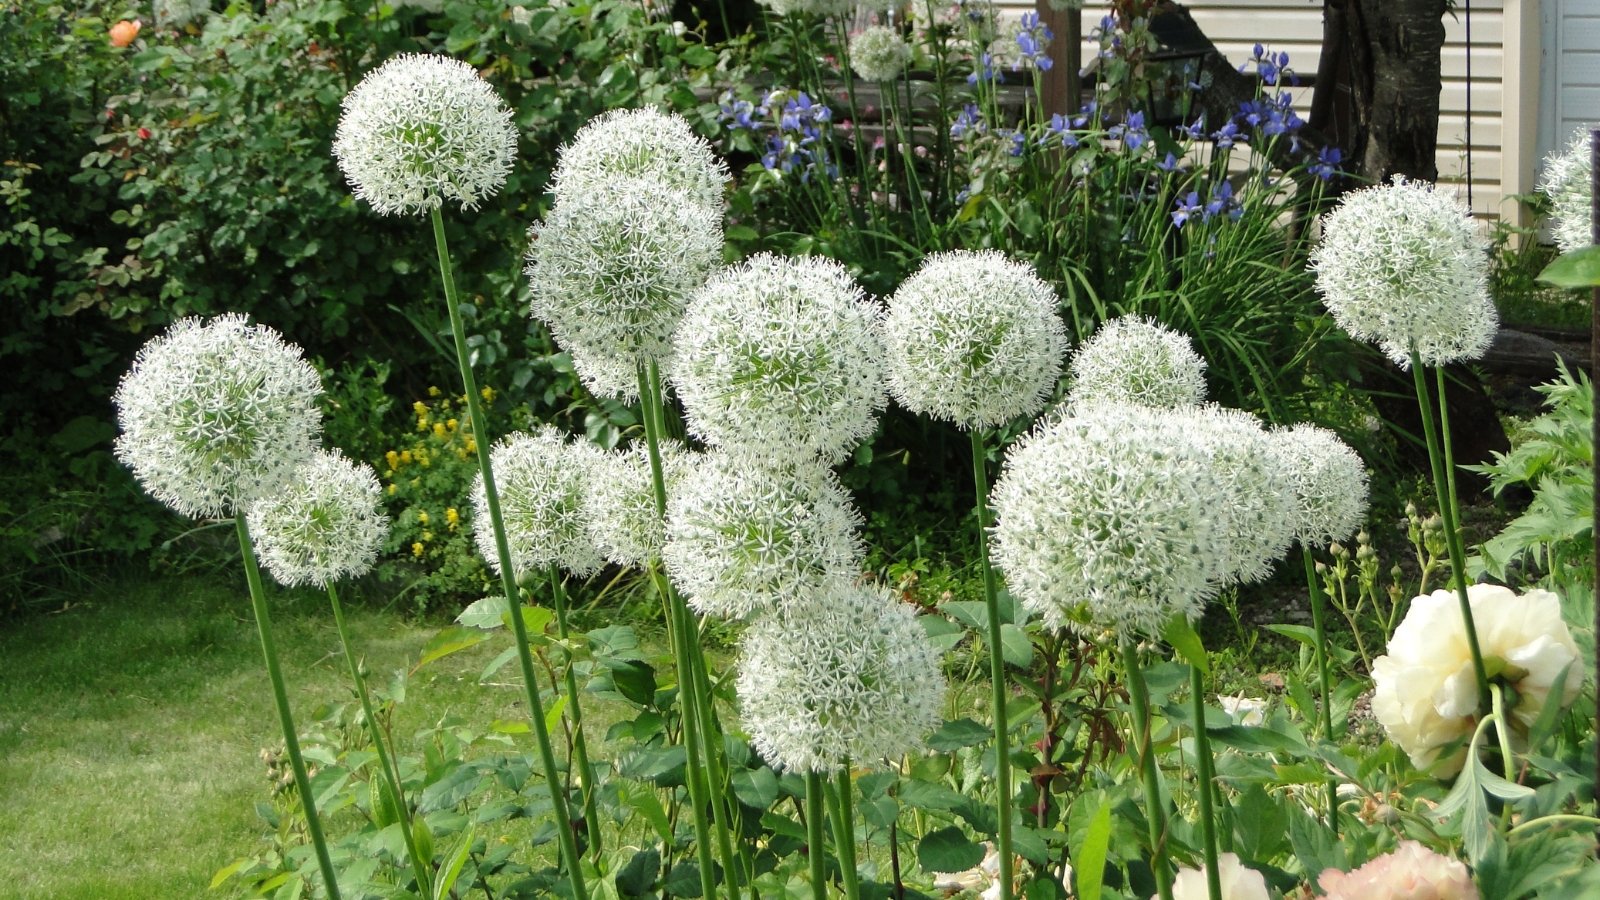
[1133,359]
[841,675]
[1403,266]
[540,479]
[1567,180]
[1107,520]
[641,143]
[1254,507]
[879,53]
[744,537]
[974,338]
[326,525]
[780,358]
[215,414]
[1329,481]
[612,268]
[420,131]
[620,501]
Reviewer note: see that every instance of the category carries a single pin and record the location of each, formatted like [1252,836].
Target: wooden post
[1061,86]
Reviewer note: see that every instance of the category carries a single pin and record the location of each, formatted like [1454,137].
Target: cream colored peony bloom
[1426,694]
[1411,872]
[1238,882]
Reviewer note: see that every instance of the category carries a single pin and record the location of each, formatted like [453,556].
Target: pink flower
[1411,872]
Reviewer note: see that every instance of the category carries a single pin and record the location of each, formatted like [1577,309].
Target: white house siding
[1295,26]
[1571,72]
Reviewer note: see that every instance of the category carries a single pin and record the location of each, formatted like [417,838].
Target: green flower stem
[844,831]
[580,748]
[1553,819]
[280,697]
[816,842]
[716,765]
[480,435]
[997,668]
[1155,813]
[683,646]
[1323,675]
[1207,779]
[1443,485]
[420,868]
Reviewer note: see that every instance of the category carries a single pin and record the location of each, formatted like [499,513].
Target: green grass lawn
[130,724]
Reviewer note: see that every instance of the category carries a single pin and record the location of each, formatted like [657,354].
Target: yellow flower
[393,459]
[438,429]
[420,408]
[427,535]
[488,394]
[422,517]
[405,456]
[452,517]
[472,446]
[416,549]
[434,392]
[450,424]
[391,489]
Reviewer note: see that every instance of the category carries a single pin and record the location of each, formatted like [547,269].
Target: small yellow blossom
[416,549]
[420,408]
[391,489]
[472,446]
[427,535]
[405,456]
[452,517]
[422,517]
[393,459]
[488,394]
[438,429]
[450,424]
[434,392]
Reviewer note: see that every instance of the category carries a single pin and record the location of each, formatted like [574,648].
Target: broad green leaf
[948,850]
[1181,635]
[638,877]
[227,871]
[1578,269]
[958,733]
[755,788]
[486,614]
[451,640]
[1015,646]
[453,788]
[1089,859]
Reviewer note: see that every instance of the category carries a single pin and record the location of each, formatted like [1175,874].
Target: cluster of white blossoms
[1426,692]
[1403,266]
[744,538]
[620,501]
[879,53]
[1237,881]
[974,338]
[326,524]
[1133,359]
[780,358]
[841,675]
[216,414]
[540,479]
[1329,484]
[641,143]
[1567,180]
[421,130]
[1254,504]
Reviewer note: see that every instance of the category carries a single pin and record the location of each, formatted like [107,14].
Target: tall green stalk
[1324,676]
[997,668]
[1207,781]
[580,748]
[816,840]
[1155,813]
[1444,486]
[421,869]
[844,831]
[508,581]
[280,697]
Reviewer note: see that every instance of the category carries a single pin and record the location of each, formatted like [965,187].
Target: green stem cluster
[1206,779]
[1324,675]
[1144,744]
[580,747]
[997,668]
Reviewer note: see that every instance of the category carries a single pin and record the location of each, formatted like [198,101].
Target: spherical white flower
[1237,881]
[745,537]
[641,143]
[1567,180]
[841,674]
[1410,872]
[612,267]
[973,337]
[879,53]
[1137,360]
[1106,520]
[1403,266]
[1330,484]
[1426,694]
[780,357]
[605,375]
[620,501]
[215,414]
[1254,509]
[421,130]
[325,525]
[539,478]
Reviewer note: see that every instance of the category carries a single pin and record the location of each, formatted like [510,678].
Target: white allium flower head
[641,143]
[1255,506]
[612,267]
[620,501]
[1425,692]
[1330,484]
[1403,266]
[1106,520]
[1567,181]
[746,537]
[605,375]
[421,130]
[973,337]
[879,53]
[540,478]
[780,357]
[325,525]
[217,413]
[1133,359]
[842,675]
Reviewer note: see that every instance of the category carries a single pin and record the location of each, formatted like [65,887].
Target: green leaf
[1181,635]
[487,613]
[552,716]
[450,790]
[942,633]
[664,766]
[948,850]
[634,679]
[1015,646]
[1089,858]
[452,870]
[1578,269]
[927,795]
[958,733]
[451,640]
[1302,633]
[227,871]
[638,877]
[755,788]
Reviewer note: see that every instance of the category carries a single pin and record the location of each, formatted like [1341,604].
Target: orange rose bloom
[123,33]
